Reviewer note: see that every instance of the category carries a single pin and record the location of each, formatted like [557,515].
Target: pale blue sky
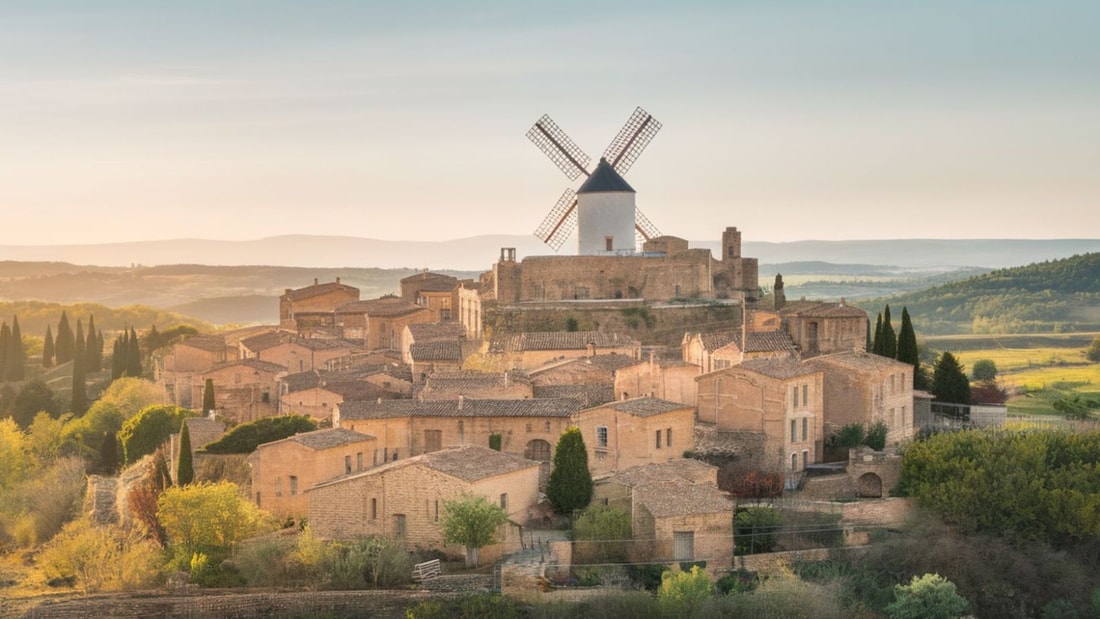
[791,120]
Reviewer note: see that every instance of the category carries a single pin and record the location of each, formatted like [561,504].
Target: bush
[756,529]
[927,597]
[681,593]
[876,436]
[606,529]
[474,606]
[145,432]
[246,437]
[100,558]
[1092,353]
[781,597]
[984,370]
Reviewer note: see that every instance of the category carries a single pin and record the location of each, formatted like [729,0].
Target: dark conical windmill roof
[605,178]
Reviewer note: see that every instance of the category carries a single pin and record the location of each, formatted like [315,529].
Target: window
[394,456]
[399,525]
[538,450]
[293,485]
[795,396]
[347,464]
[278,486]
[504,502]
[794,430]
[609,242]
[436,516]
[683,546]
[805,457]
[668,437]
[374,509]
[258,499]
[528,427]
[805,428]
[546,427]
[601,437]
[359,461]
[794,462]
[805,395]
[658,439]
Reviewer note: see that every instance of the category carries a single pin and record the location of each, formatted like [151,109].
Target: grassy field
[1036,369]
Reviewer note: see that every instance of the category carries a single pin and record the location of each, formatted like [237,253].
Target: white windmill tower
[603,208]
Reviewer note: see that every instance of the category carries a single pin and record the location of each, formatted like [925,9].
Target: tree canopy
[472,521]
[143,433]
[570,484]
[949,381]
[246,437]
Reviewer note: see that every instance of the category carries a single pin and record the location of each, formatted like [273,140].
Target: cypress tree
[80,388]
[870,344]
[5,340]
[907,346]
[91,357]
[108,453]
[47,349]
[185,471]
[63,343]
[15,365]
[208,405]
[133,356]
[118,359]
[889,338]
[570,484]
[876,346]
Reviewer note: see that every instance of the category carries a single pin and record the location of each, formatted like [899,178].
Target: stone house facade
[244,390]
[667,379]
[380,323]
[865,388]
[427,333]
[825,328]
[319,398]
[780,400]
[405,499]
[722,349]
[296,354]
[283,470]
[175,368]
[311,308]
[510,385]
[628,433]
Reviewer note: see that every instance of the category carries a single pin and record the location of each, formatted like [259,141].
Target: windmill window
[609,242]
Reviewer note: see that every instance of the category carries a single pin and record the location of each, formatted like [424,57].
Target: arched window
[538,450]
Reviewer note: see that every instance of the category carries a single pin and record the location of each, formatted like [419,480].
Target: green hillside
[1054,296]
[35,315]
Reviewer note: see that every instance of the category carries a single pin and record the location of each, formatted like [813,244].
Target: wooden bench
[426,570]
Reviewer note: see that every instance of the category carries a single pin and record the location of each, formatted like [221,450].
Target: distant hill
[478,253]
[1056,295]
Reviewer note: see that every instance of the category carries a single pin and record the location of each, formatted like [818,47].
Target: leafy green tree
[47,349]
[246,437]
[1075,407]
[607,529]
[143,433]
[949,382]
[15,358]
[13,453]
[889,346]
[1092,353]
[907,348]
[927,597]
[208,404]
[121,400]
[185,471]
[35,396]
[570,484]
[65,341]
[207,518]
[682,593]
[984,370]
[756,529]
[79,402]
[472,521]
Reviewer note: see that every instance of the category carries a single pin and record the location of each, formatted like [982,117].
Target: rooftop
[825,310]
[328,438]
[559,340]
[319,289]
[433,331]
[209,343]
[264,341]
[645,406]
[255,364]
[682,498]
[857,360]
[468,463]
[436,351]
[466,407]
[383,307]
[777,368]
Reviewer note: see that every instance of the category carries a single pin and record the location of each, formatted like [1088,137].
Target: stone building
[667,379]
[510,385]
[714,351]
[778,400]
[176,367]
[427,333]
[453,300]
[677,512]
[665,269]
[528,351]
[405,499]
[311,308]
[379,323]
[628,433]
[865,388]
[318,393]
[296,354]
[245,390]
[283,470]
[825,328]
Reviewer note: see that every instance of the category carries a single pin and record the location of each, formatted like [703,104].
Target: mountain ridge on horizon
[479,252]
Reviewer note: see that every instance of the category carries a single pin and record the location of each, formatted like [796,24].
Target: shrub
[927,597]
[606,529]
[1092,353]
[876,436]
[984,370]
[756,530]
[145,432]
[100,558]
[683,592]
[246,437]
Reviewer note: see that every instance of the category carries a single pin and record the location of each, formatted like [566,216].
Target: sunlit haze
[124,121]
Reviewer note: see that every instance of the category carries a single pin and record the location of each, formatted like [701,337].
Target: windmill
[602,208]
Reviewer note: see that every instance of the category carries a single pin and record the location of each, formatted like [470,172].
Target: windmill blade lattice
[644,227]
[560,221]
[562,150]
[635,135]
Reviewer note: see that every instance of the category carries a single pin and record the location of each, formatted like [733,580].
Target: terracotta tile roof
[683,469]
[436,351]
[384,307]
[209,343]
[468,463]
[203,431]
[559,340]
[646,406]
[432,282]
[459,408]
[824,310]
[589,395]
[853,360]
[766,341]
[318,289]
[777,368]
[255,364]
[357,390]
[264,341]
[682,498]
[328,438]
[475,380]
[718,339]
[435,331]
[317,343]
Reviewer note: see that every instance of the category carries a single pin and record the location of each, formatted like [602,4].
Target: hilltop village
[673,370]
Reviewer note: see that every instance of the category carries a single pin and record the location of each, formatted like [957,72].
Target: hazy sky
[404,120]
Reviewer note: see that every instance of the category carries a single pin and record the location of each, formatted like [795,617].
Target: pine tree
[80,387]
[570,484]
[208,405]
[133,356]
[907,348]
[185,471]
[15,363]
[949,381]
[63,343]
[47,349]
[889,338]
[876,346]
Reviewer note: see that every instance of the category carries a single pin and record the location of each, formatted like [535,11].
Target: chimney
[505,379]
[314,281]
[337,280]
[591,349]
[460,400]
